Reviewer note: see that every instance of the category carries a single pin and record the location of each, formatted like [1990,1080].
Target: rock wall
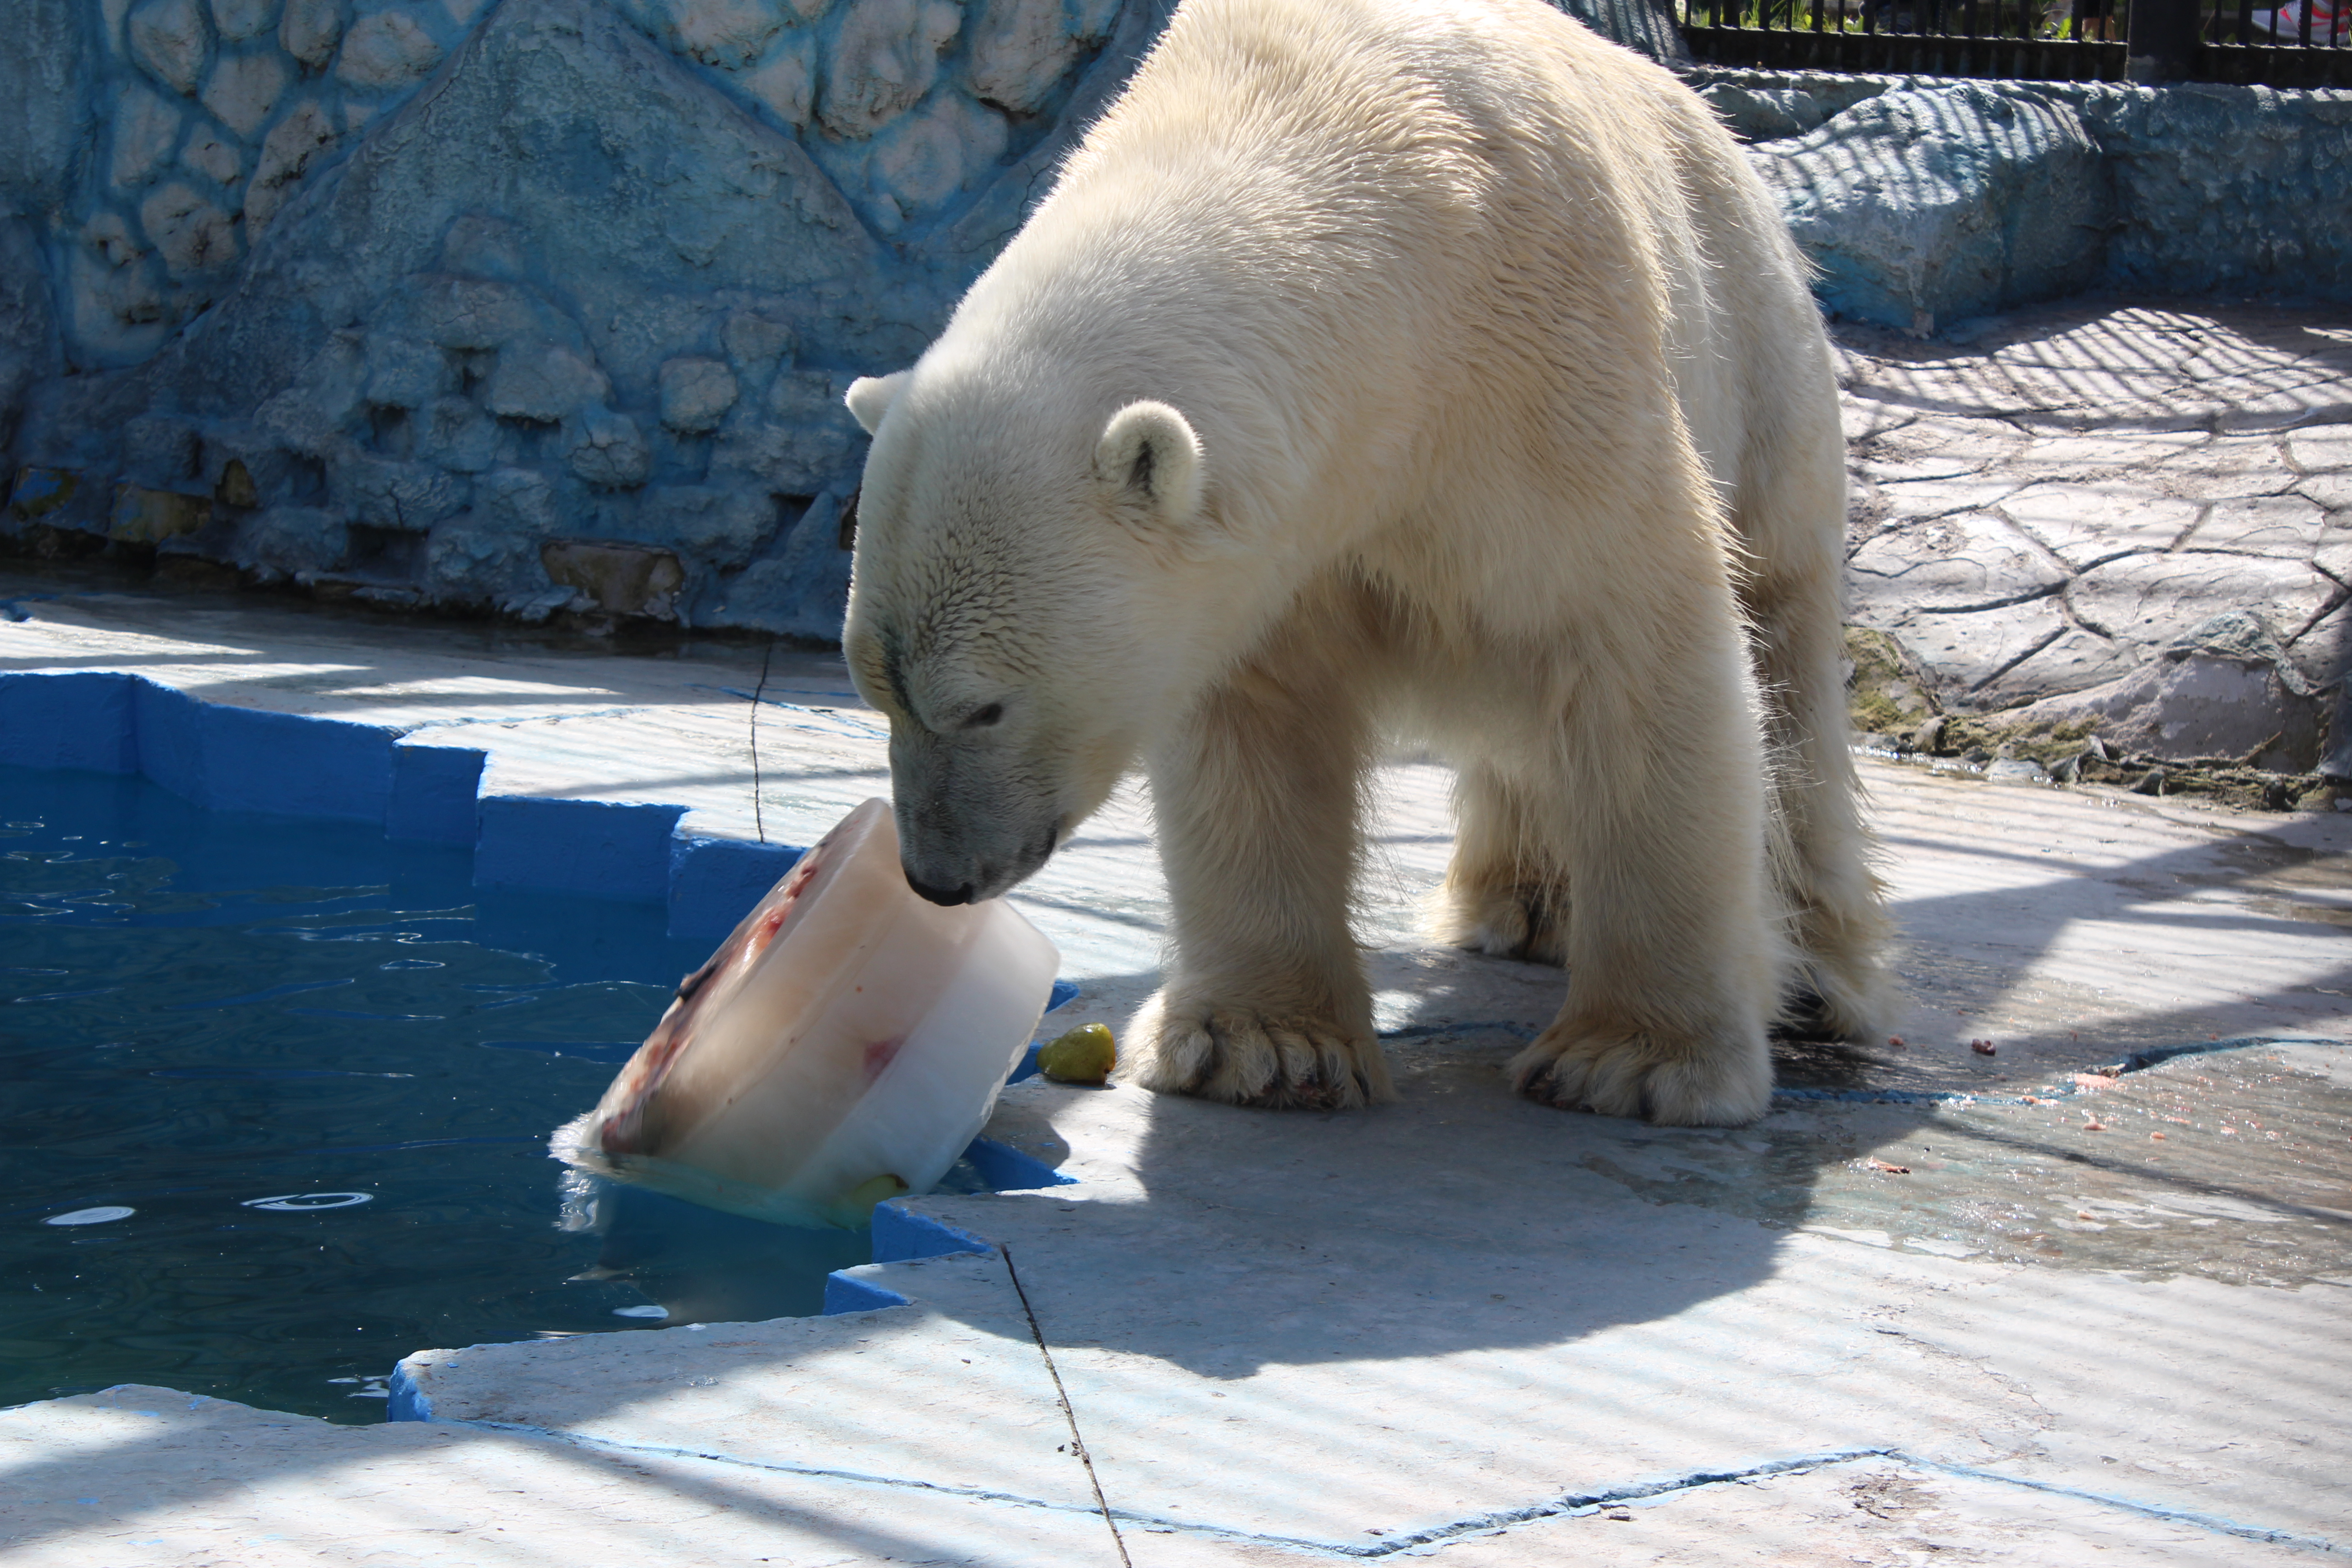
[2227,189]
[1926,202]
[542,306]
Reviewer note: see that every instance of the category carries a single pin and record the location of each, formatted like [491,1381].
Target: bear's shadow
[1461,1217]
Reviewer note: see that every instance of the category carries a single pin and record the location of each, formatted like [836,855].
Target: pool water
[275,1097]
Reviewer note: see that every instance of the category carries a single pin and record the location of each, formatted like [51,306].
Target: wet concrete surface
[2234,1166]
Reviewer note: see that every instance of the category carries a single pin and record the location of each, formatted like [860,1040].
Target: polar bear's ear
[1148,455]
[870,398]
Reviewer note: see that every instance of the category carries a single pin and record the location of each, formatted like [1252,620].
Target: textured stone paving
[2071,498]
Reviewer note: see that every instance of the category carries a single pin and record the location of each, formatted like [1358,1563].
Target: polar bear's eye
[985,717]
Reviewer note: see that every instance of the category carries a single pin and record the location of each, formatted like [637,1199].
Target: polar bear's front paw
[1246,1057]
[1679,1081]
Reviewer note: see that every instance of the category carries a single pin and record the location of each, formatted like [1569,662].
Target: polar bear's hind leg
[1504,894]
[1792,514]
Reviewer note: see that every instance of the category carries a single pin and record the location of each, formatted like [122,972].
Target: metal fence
[2282,43]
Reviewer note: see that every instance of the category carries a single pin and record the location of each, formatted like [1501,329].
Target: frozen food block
[842,1047]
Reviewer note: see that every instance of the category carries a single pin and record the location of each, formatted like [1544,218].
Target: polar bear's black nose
[948,896]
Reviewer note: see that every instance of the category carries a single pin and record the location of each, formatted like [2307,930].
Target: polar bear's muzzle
[990,880]
[957,855]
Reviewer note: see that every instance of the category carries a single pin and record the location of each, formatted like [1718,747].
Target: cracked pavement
[2049,506]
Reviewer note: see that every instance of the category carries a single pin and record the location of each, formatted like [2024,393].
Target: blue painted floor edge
[404,1400]
[1568,1505]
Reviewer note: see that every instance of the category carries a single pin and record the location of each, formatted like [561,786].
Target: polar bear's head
[1018,607]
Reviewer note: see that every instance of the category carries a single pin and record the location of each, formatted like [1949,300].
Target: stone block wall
[537,306]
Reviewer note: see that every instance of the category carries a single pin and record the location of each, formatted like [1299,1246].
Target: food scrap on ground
[1085,1055]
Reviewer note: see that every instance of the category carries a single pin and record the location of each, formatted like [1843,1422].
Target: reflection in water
[700,1265]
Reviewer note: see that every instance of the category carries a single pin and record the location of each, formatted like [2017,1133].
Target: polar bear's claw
[1242,1057]
[1720,1082]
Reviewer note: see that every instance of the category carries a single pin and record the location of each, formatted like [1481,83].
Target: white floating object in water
[99,1216]
[302,1203]
[841,1047]
[647,1310]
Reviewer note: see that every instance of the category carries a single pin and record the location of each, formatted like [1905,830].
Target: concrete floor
[1936,1303]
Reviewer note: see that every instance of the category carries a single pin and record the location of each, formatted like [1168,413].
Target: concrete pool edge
[1641,1489]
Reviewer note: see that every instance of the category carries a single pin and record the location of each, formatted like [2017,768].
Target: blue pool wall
[899,1235]
[292,764]
[243,759]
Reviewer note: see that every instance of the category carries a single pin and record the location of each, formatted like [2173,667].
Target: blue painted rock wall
[544,305]
[548,305]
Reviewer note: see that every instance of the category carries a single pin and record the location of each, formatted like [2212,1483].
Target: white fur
[1512,428]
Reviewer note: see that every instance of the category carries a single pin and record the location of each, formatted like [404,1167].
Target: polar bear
[1379,368]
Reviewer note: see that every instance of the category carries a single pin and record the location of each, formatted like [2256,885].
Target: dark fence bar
[2279,43]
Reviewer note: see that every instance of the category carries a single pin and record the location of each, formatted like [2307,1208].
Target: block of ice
[841,1047]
